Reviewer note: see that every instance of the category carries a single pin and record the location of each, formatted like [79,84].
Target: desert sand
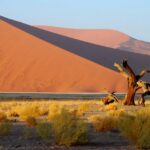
[104,37]
[37,60]
[109,38]
[30,64]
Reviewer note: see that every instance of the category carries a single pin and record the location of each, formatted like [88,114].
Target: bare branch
[143,72]
[119,67]
[112,96]
[148,84]
[129,69]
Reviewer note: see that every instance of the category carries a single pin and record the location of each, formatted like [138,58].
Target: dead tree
[132,80]
[146,91]
[110,98]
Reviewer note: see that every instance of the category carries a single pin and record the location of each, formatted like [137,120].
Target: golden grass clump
[103,124]
[117,113]
[54,109]
[43,110]
[145,111]
[83,108]
[12,113]
[44,130]
[28,110]
[24,108]
[136,128]
[111,107]
[31,122]
[5,127]
[69,129]
[3,116]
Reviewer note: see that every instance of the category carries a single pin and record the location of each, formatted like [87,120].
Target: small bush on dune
[136,129]
[44,130]
[31,121]
[103,124]
[69,129]
[5,127]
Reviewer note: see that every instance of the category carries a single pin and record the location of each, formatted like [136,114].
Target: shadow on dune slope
[99,54]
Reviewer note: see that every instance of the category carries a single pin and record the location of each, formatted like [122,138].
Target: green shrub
[44,130]
[69,129]
[31,121]
[5,127]
[136,129]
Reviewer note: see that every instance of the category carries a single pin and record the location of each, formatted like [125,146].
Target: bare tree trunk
[130,96]
[132,85]
[132,80]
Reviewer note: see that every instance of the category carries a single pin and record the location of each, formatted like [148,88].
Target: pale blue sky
[129,16]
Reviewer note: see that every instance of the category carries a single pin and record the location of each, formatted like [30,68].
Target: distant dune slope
[28,63]
[99,54]
[109,38]
[32,59]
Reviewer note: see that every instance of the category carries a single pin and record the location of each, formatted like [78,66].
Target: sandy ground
[97,141]
[109,38]
[37,60]
[35,65]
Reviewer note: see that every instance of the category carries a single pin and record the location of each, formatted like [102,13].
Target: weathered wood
[132,80]
[110,98]
[146,91]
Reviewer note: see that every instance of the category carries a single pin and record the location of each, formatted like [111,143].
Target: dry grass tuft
[5,127]
[54,109]
[31,122]
[103,124]
[111,107]
[136,128]
[3,116]
[83,108]
[69,129]
[44,130]
[117,113]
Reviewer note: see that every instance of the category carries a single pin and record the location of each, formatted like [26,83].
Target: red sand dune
[28,63]
[109,38]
